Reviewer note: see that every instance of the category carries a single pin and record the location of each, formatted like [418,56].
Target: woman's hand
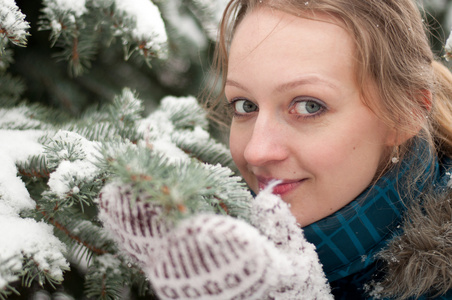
[211,256]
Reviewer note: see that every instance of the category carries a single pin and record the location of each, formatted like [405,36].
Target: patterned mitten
[215,257]
[137,226]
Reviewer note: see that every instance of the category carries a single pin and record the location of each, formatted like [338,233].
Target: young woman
[343,103]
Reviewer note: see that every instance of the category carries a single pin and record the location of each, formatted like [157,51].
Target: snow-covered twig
[13,26]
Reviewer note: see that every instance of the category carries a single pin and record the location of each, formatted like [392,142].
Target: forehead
[269,37]
[266,25]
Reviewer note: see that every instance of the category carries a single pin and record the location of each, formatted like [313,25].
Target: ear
[398,136]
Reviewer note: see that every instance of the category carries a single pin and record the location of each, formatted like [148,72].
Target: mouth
[282,188]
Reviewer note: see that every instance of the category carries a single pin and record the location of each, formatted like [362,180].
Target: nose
[268,143]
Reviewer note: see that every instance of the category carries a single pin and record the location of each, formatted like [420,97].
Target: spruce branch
[32,253]
[109,275]
[13,27]
[6,59]
[21,117]
[116,120]
[33,272]
[80,235]
[29,116]
[80,32]
[171,185]
[8,273]
[104,131]
[79,194]
[7,291]
[59,150]
[79,53]
[72,30]
[184,113]
[36,166]
[205,150]
[126,109]
[62,19]
[141,28]
[62,171]
[11,88]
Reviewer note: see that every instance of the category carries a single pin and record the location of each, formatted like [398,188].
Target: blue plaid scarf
[348,240]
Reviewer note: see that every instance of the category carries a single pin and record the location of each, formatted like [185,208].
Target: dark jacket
[388,244]
[416,264]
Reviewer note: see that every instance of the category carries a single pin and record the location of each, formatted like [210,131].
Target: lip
[284,187]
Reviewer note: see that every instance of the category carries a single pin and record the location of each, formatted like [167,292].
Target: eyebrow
[303,80]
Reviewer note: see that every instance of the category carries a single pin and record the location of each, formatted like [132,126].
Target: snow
[29,238]
[200,134]
[149,23]
[69,173]
[77,7]
[14,196]
[16,146]
[108,263]
[23,237]
[13,20]
[17,117]
[169,150]
[156,125]
[159,130]
[8,2]
[56,26]
[185,111]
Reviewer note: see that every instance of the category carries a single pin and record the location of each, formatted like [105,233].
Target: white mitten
[216,257]
[272,216]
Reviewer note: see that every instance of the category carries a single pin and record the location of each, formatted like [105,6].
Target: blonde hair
[392,50]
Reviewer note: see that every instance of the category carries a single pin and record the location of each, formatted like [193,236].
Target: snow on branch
[73,156]
[13,26]
[82,27]
[25,239]
[16,146]
[36,243]
[75,7]
[146,26]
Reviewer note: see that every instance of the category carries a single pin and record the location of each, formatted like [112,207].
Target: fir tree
[57,158]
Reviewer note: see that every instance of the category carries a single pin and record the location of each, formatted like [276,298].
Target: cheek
[347,159]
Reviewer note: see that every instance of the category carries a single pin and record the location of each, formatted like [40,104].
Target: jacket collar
[348,240]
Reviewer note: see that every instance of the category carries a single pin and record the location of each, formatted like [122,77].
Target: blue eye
[244,106]
[307,107]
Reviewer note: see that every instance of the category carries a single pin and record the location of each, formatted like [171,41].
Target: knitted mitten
[305,276]
[216,257]
[137,226]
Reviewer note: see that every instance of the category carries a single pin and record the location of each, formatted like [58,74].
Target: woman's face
[298,115]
